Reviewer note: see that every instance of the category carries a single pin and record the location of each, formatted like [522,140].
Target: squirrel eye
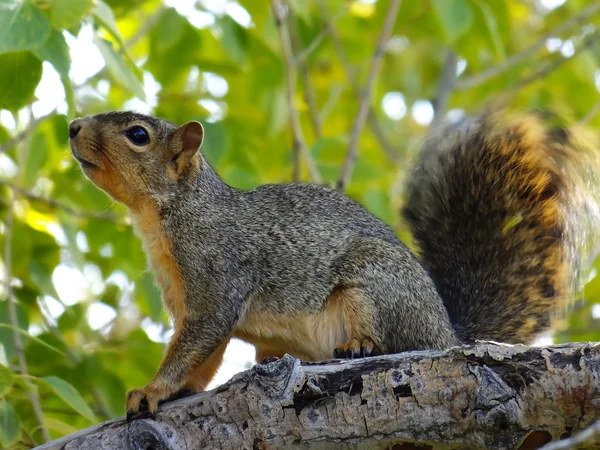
[138,135]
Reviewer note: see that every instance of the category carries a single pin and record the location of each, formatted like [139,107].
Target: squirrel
[305,270]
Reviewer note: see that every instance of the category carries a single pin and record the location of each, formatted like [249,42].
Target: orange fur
[262,353]
[160,258]
[310,337]
[199,377]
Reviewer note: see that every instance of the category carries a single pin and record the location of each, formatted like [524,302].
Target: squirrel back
[498,210]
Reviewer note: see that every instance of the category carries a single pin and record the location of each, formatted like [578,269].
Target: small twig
[363,110]
[12,310]
[554,64]
[517,58]
[591,114]
[589,435]
[303,54]
[352,79]
[144,28]
[20,137]
[109,217]
[334,95]
[299,142]
[102,406]
[309,94]
[445,87]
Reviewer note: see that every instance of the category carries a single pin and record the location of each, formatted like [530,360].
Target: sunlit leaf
[58,425]
[22,26]
[455,16]
[105,16]
[119,68]
[20,73]
[68,13]
[56,51]
[10,424]
[70,396]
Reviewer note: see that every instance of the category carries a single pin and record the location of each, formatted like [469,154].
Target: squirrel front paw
[356,349]
[143,403]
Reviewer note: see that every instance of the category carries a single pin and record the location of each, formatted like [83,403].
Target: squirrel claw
[356,349]
[132,415]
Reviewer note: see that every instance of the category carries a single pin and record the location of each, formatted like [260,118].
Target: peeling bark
[486,396]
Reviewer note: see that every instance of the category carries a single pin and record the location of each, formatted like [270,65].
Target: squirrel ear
[189,139]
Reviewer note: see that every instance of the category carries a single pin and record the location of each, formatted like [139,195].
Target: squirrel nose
[74,128]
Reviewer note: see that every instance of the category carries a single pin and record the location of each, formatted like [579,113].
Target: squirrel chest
[160,258]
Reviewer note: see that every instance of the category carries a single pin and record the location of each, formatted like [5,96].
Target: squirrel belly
[302,269]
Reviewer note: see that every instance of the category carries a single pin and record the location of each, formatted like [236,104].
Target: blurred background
[80,318]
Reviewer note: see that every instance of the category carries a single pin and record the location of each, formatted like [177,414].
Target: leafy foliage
[74,255]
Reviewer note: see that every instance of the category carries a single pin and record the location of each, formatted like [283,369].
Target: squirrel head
[134,157]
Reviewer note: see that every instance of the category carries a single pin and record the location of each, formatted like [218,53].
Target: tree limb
[309,94]
[590,114]
[20,137]
[517,58]
[299,142]
[106,216]
[557,62]
[483,397]
[445,86]
[14,321]
[351,76]
[365,101]
[587,436]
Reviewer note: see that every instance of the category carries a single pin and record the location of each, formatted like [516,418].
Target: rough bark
[482,397]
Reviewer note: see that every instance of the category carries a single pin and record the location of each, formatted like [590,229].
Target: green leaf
[6,328]
[33,338]
[455,16]
[42,279]
[7,380]
[71,397]
[119,69]
[58,425]
[106,18]
[492,26]
[215,143]
[35,158]
[173,39]
[235,39]
[148,296]
[56,51]
[10,425]
[20,73]
[68,13]
[22,26]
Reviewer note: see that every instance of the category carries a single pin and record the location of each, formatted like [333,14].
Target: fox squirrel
[303,269]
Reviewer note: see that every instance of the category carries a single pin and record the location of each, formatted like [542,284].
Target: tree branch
[299,142]
[309,95]
[517,58]
[557,62]
[483,397]
[365,101]
[106,216]
[590,115]
[21,136]
[14,321]
[144,28]
[352,79]
[587,436]
[445,86]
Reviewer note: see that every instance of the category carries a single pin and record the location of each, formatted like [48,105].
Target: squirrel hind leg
[357,349]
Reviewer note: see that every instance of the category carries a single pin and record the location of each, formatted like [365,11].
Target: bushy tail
[500,211]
